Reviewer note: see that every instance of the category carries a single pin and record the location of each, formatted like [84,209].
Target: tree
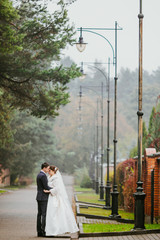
[153,138]
[26,72]
[151,119]
[134,150]
[33,143]
[125,178]
[10,40]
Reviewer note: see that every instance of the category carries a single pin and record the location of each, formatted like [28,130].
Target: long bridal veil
[61,187]
[60,218]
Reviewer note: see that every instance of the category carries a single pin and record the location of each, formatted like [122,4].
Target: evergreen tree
[33,143]
[151,119]
[134,151]
[26,72]
[153,139]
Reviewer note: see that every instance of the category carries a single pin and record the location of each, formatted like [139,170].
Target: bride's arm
[53,191]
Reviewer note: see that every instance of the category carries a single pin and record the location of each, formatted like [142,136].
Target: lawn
[90,228]
[79,189]
[107,213]
[89,197]
[2,191]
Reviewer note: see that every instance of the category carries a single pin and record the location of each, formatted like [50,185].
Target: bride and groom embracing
[55,215]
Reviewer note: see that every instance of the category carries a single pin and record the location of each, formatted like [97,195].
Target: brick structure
[150,161]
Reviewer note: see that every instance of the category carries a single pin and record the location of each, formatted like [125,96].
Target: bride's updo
[54,168]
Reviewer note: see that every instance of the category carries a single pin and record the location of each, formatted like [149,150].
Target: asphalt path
[18,211]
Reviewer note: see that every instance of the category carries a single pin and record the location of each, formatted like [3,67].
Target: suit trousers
[41,217]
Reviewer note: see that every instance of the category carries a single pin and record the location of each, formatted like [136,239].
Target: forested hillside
[76,130]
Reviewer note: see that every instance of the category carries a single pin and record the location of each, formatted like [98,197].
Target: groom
[42,199]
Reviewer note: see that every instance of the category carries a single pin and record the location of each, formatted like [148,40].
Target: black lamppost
[140,195]
[94,164]
[97,156]
[102,147]
[107,187]
[79,47]
[115,192]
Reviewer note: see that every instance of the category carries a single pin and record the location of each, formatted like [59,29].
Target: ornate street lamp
[80,44]
[115,191]
[83,76]
[95,143]
[107,187]
[101,152]
[140,195]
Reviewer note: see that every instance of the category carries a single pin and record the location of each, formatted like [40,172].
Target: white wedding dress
[59,218]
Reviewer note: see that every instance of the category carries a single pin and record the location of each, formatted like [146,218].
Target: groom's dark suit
[42,198]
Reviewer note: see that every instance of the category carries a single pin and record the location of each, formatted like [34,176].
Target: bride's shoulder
[51,179]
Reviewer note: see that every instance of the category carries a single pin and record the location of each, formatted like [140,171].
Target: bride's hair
[54,168]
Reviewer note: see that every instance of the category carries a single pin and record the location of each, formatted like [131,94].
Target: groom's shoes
[39,234]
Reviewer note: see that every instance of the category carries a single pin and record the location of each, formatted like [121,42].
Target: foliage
[125,172]
[76,130]
[86,182]
[33,143]
[27,74]
[6,114]
[153,138]
[151,119]
[10,40]
[82,178]
[134,150]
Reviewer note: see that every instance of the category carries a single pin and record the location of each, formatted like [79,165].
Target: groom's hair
[44,165]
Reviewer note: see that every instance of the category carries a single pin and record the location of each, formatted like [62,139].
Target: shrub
[82,177]
[86,182]
[125,172]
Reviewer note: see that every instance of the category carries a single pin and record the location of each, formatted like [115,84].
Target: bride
[60,218]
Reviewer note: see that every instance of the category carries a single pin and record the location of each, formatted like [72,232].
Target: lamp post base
[101,193]
[115,203]
[107,193]
[139,197]
[97,187]
[93,184]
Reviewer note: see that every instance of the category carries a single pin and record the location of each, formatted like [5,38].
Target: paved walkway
[134,237]
[18,210]
[91,220]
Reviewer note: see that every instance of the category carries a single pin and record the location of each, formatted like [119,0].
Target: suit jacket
[42,183]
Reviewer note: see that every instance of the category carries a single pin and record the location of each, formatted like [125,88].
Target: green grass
[104,212]
[94,198]
[2,191]
[12,187]
[89,197]
[90,228]
[79,189]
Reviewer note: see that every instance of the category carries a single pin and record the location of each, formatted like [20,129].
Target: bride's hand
[46,191]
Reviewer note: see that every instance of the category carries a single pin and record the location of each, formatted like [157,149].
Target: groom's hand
[46,191]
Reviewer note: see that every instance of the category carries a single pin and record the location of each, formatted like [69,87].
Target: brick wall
[150,161]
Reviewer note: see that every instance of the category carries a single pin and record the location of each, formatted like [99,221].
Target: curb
[122,220]
[107,234]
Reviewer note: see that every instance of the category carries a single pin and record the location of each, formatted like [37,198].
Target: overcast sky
[103,14]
